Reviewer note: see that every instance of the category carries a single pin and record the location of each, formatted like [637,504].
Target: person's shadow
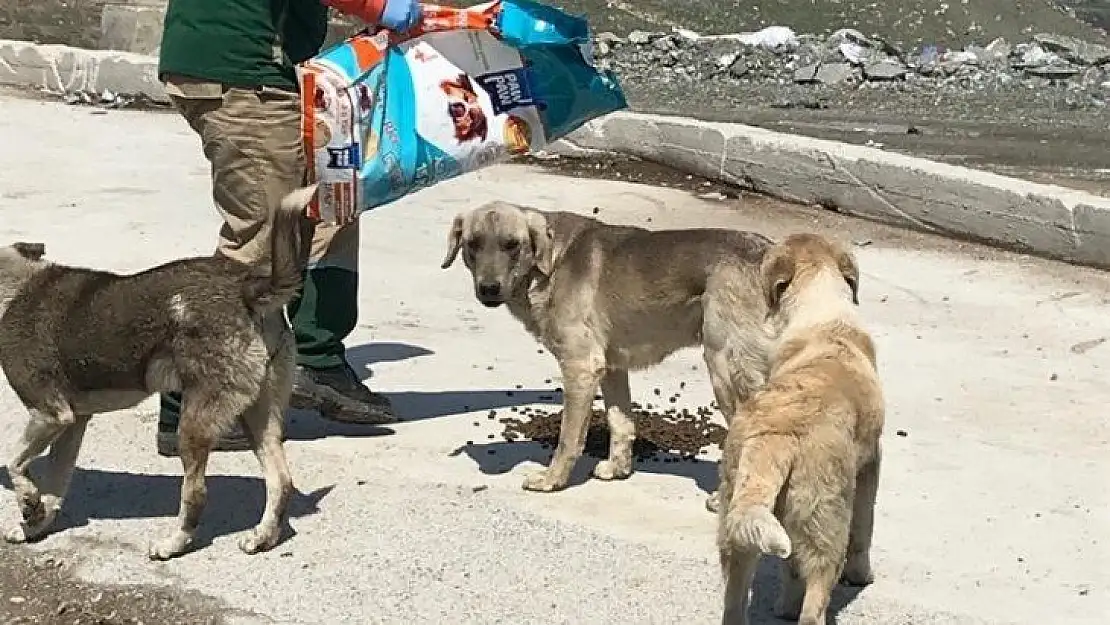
[234,503]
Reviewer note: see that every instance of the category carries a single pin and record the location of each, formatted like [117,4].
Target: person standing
[228,67]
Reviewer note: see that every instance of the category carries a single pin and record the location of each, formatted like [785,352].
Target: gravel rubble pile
[776,63]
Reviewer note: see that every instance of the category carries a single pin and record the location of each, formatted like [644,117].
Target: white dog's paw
[16,535]
[170,547]
[609,470]
[713,502]
[542,482]
[258,540]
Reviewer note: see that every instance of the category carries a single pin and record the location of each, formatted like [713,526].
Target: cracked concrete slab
[913,192]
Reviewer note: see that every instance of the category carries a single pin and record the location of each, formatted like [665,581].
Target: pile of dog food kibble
[662,434]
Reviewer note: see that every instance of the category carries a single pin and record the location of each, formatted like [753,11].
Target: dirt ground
[40,589]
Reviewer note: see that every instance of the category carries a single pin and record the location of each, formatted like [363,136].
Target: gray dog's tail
[290,234]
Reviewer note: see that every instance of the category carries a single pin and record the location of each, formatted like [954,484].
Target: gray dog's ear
[454,242]
[30,251]
[777,272]
[542,244]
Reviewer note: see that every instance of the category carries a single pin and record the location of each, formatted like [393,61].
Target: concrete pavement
[992,507]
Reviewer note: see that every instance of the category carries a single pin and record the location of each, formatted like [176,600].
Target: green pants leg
[324,315]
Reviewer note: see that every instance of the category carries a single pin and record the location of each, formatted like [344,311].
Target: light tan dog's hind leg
[622,427]
[857,570]
[739,568]
[820,540]
[581,377]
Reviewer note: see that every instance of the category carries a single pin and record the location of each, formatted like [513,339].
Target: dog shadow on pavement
[765,591]
[499,457]
[234,503]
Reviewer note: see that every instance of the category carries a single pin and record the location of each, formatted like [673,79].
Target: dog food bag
[384,115]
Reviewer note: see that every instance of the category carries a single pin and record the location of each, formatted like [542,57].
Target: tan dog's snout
[501,244]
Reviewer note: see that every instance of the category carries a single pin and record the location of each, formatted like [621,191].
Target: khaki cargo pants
[252,138]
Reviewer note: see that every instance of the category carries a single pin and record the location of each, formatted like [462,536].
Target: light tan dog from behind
[801,462]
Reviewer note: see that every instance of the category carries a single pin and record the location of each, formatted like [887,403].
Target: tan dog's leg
[581,377]
[196,442]
[741,566]
[42,430]
[622,426]
[857,571]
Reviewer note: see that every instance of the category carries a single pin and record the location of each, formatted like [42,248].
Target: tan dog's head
[18,262]
[502,244]
[799,261]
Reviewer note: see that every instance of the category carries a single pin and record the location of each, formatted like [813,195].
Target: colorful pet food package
[384,115]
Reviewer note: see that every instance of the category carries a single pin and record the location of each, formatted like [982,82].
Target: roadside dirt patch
[39,589]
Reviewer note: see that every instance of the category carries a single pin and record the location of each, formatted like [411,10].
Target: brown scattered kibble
[492,414]
[596,210]
[681,385]
[657,392]
[902,433]
[671,437]
[547,381]
[490,436]
[1053,377]
[477,424]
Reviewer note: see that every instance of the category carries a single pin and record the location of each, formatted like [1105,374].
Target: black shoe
[233,440]
[338,394]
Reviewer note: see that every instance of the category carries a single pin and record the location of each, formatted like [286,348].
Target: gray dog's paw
[16,535]
[32,509]
[170,547]
[608,470]
[541,482]
[258,540]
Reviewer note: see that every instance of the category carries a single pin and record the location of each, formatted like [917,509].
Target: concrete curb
[62,69]
[912,192]
[866,182]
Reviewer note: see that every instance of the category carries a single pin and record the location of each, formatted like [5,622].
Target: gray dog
[77,342]
[606,299]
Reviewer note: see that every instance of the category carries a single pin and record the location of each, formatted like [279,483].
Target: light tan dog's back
[801,460]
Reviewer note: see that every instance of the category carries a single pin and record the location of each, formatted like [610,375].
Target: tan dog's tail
[749,522]
[290,233]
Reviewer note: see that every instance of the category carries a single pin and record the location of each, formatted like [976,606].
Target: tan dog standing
[605,299]
[801,462]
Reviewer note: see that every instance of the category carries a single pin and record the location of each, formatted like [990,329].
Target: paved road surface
[993,507]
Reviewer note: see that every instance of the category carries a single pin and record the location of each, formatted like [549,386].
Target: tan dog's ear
[777,272]
[850,270]
[30,251]
[542,242]
[454,241]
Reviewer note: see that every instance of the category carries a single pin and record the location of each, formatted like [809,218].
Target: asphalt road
[992,506]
